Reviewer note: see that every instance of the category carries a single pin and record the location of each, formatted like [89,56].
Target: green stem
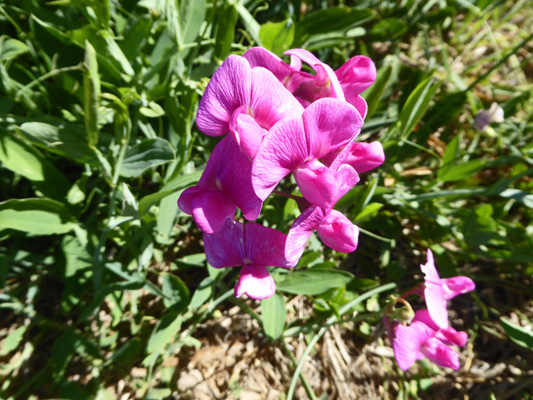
[320,333]
[44,77]
[373,235]
[305,384]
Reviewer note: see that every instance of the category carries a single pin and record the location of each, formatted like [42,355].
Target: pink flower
[295,143]
[225,185]
[424,339]
[245,101]
[252,246]
[437,291]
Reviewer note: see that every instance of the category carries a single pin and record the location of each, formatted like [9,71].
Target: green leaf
[461,171]
[192,15]
[11,48]
[416,105]
[277,36]
[165,330]
[65,140]
[13,340]
[36,216]
[147,154]
[226,21]
[375,92]
[91,82]
[521,336]
[368,211]
[313,281]
[519,195]
[203,293]
[330,20]
[136,34]
[274,314]
[126,354]
[24,160]
[176,293]
[172,186]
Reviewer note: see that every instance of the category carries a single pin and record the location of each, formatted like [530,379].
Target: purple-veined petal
[185,199]
[440,354]
[358,102]
[228,90]
[265,246]
[301,229]
[225,248]
[457,285]
[270,101]
[323,186]
[283,149]
[338,232]
[330,124]
[256,282]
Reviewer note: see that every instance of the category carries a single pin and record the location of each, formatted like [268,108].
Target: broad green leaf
[176,293]
[168,211]
[274,313]
[13,340]
[24,160]
[172,186]
[36,216]
[313,281]
[330,20]
[416,105]
[518,334]
[225,33]
[11,48]
[65,140]
[375,92]
[368,211]
[147,154]
[91,82]
[164,331]
[192,15]
[277,36]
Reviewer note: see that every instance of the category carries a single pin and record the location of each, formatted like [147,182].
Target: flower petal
[330,124]
[228,90]
[256,282]
[270,101]
[226,247]
[357,74]
[265,246]
[408,341]
[457,285]
[261,57]
[440,354]
[433,293]
[301,229]
[338,232]
[283,149]
[323,186]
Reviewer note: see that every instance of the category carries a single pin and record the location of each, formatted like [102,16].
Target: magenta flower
[424,339]
[245,101]
[361,156]
[437,291]
[252,246]
[296,143]
[225,185]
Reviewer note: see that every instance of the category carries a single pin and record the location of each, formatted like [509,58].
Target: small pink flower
[424,339]
[252,246]
[437,291]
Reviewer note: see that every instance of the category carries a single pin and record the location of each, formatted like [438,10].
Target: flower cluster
[428,334]
[278,119]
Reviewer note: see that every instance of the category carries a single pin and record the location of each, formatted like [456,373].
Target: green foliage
[101,273]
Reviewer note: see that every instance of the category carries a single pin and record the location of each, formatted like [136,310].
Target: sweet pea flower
[225,185]
[294,144]
[424,339]
[437,291]
[361,156]
[252,246]
[244,101]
